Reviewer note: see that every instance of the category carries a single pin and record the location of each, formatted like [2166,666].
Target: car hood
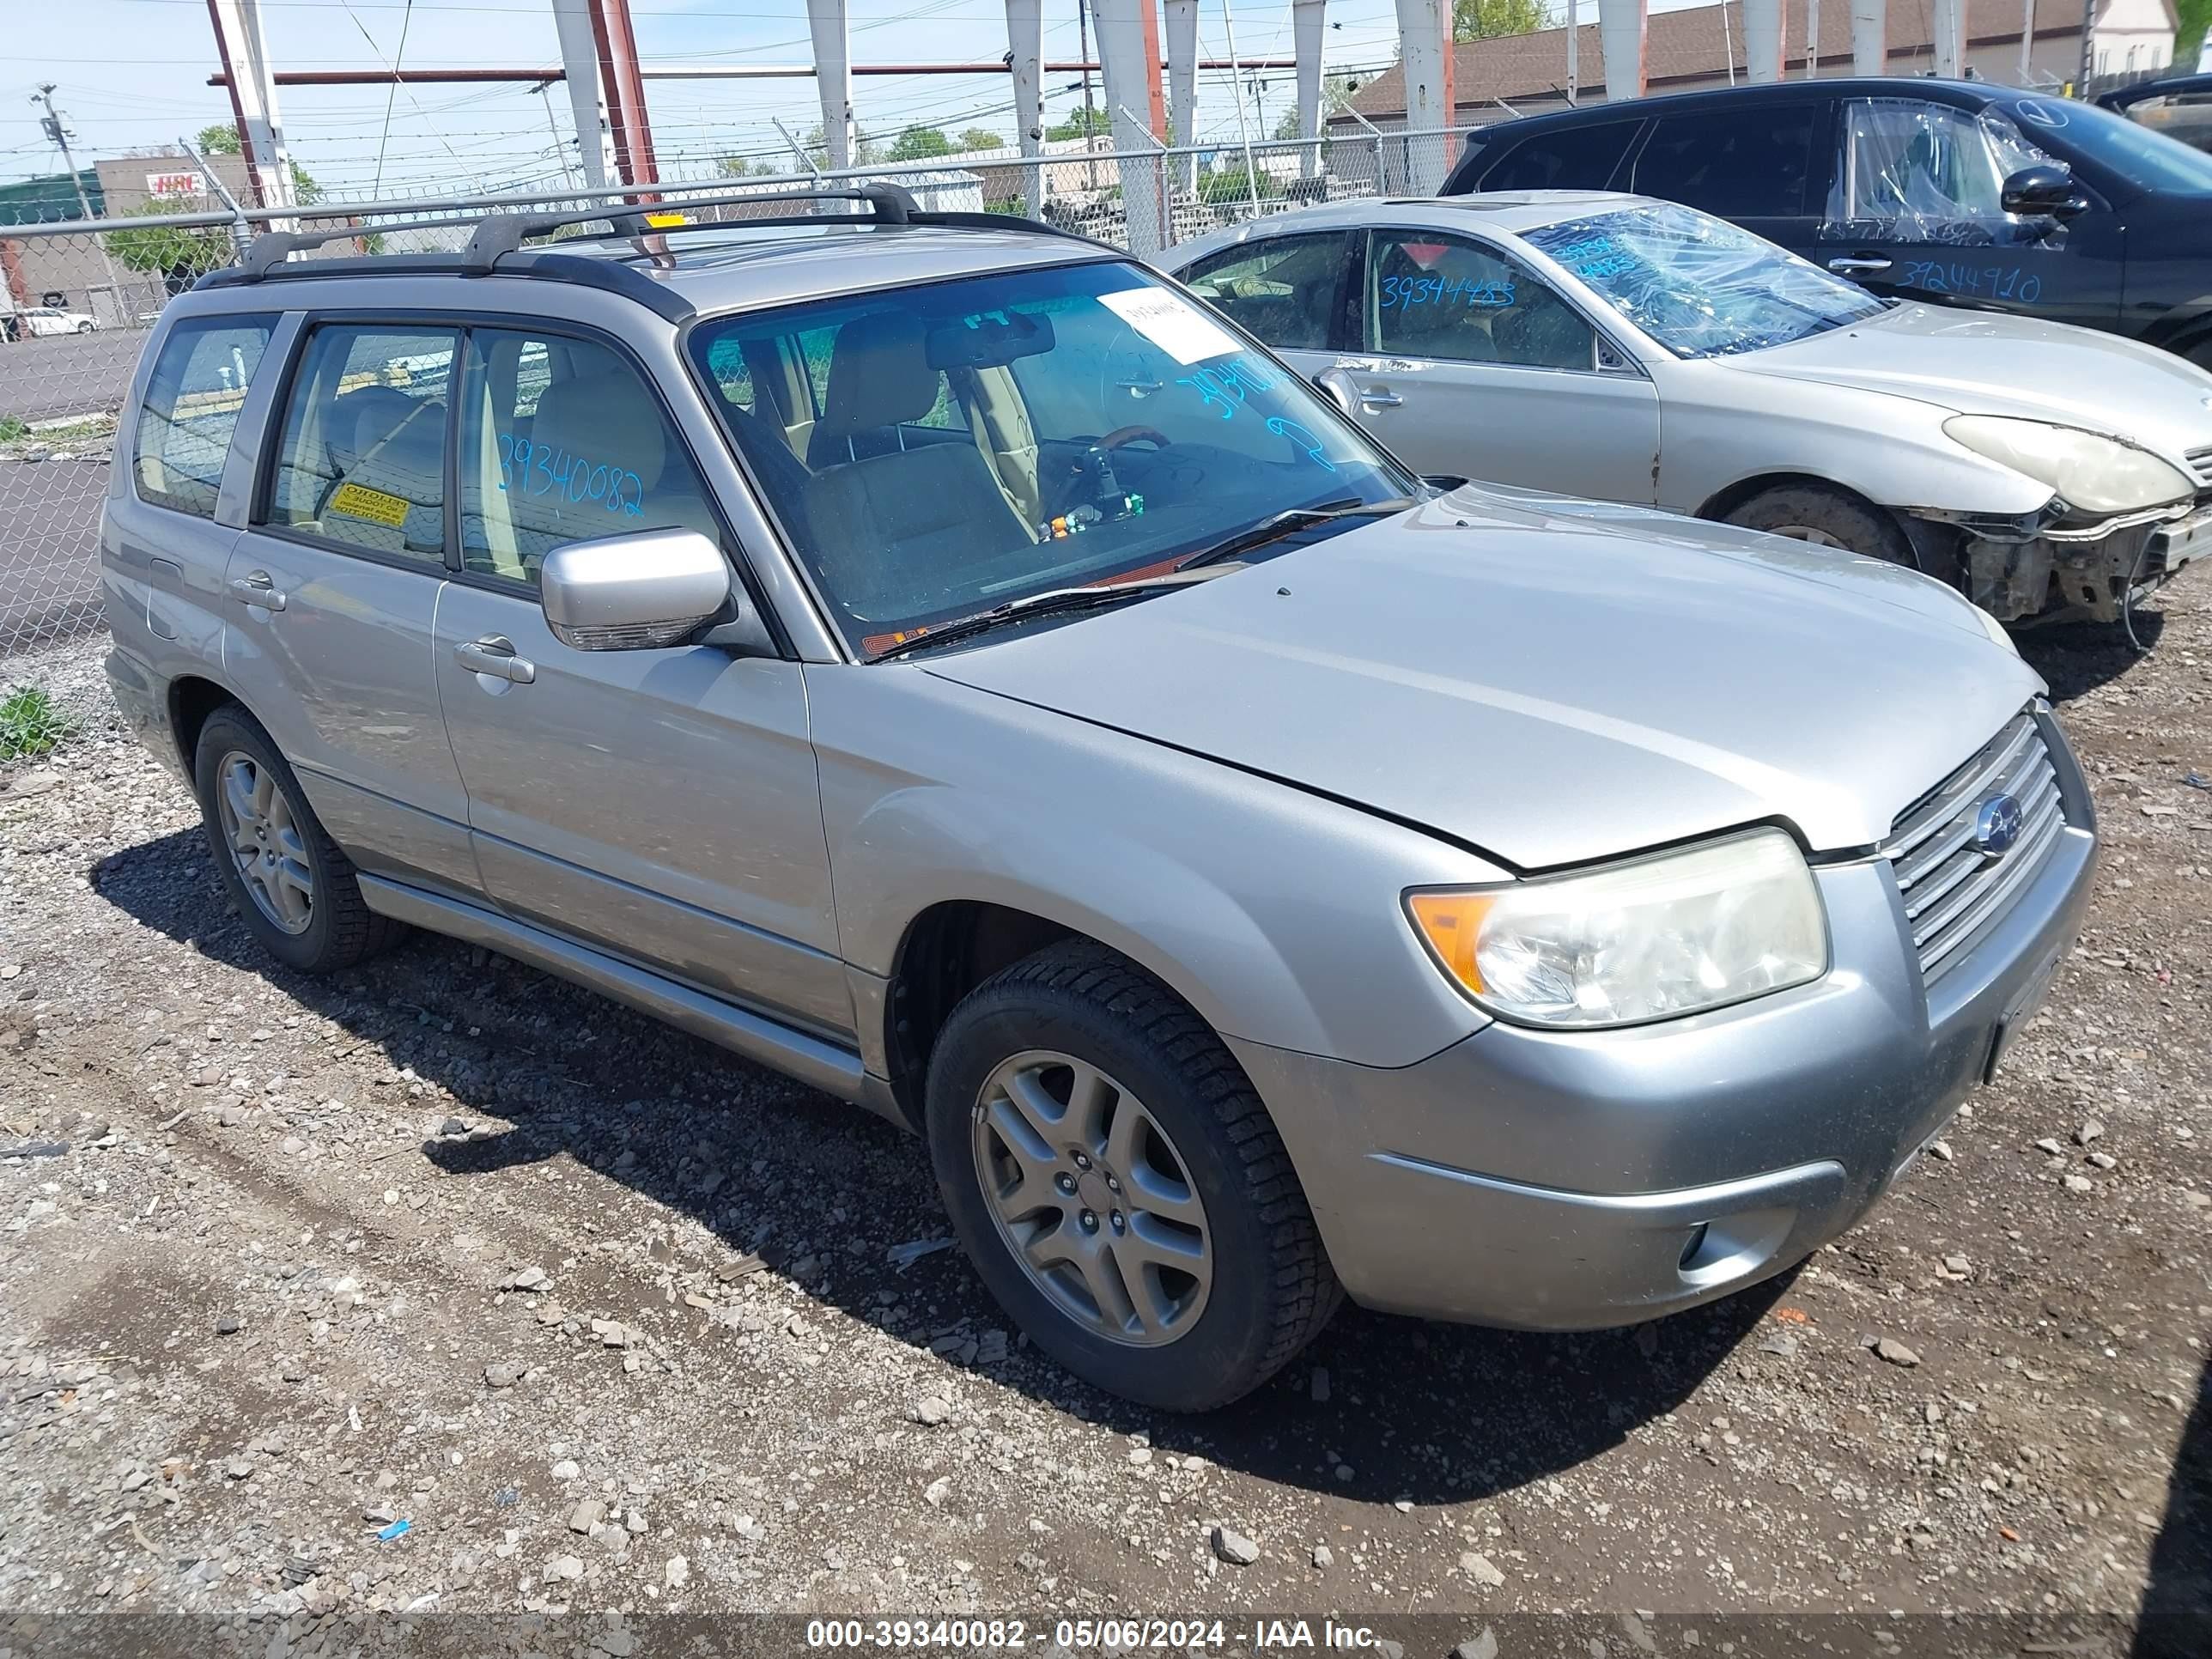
[1979,362]
[1547,681]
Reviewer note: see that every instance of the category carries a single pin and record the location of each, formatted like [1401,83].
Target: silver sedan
[1610,346]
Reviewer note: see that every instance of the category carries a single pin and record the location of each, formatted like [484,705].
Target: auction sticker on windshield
[1171,323]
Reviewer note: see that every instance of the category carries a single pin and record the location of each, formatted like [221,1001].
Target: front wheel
[1826,517]
[1118,1185]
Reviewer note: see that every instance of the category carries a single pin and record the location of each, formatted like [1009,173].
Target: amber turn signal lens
[1451,923]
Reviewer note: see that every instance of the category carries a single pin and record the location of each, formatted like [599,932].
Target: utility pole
[57,130]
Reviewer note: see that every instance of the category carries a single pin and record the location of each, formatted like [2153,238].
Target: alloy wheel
[265,841]
[1092,1197]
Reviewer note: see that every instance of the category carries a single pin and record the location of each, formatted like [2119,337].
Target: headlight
[1663,936]
[1995,629]
[2089,472]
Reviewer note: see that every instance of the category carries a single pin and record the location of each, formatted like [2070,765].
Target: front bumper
[1579,1180]
[2095,572]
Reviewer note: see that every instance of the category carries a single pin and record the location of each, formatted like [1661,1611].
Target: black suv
[1952,191]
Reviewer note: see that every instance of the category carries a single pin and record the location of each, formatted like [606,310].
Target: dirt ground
[618,1324]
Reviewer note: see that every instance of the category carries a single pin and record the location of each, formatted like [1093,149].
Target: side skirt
[821,1065]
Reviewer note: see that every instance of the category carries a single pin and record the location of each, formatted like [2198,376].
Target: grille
[1953,889]
[2200,465]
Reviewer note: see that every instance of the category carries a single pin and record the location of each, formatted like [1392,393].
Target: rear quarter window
[1562,158]
[191,410]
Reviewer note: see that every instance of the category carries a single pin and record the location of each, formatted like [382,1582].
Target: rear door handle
[1858,265]
[494,655]
[256,588]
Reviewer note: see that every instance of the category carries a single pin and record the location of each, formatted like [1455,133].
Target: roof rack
[501,233]
[498,237]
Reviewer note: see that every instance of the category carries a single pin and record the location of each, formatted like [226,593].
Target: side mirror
[632,592]
[1336,385]
[2043,192]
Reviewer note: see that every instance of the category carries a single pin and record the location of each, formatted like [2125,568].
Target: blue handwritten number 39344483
[539,470]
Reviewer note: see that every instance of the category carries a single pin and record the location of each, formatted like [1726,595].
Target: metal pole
[560,149]
[1243,133]
[1813,38]
[58,131]
[1574,50]
[797,148]
[1090,114]
[241,233]
[2088,47]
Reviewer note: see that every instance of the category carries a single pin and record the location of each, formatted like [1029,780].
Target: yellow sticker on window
[359,501]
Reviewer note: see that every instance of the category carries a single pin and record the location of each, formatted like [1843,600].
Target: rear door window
[1286,290]
[191,410]
[1746,163]
[1564,158]
[362,460]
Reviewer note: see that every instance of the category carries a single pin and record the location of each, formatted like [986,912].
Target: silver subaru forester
[936,657]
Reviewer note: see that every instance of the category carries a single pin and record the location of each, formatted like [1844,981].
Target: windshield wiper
[1087,597]
[1279,524]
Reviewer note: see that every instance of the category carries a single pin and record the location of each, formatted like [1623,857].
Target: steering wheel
[1131,435]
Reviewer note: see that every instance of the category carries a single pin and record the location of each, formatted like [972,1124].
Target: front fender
[1891,450]
[1276,914]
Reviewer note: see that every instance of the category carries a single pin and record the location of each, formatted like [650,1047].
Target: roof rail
[501,233]
[272,248]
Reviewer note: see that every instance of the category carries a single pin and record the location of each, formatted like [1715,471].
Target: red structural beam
[766,72]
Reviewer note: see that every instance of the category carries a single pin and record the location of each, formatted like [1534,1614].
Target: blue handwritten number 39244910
[537,470]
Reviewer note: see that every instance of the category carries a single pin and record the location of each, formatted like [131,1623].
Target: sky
[131,74]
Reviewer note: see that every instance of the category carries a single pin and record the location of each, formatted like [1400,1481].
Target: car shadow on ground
[2176,1621]
[2081,656]
[827,1194]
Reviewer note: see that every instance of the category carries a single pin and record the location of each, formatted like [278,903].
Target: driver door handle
[494,655]
[1377,396]
[1858,265]
[256,588]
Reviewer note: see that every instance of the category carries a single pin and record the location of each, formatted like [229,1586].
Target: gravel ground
[612,1322]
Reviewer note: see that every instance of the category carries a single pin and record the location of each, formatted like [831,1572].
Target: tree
[1081,123]
[919,143]
[1336,91]
[2189,39]
[1485,19]
[743,166]
[980,138]
[179,254]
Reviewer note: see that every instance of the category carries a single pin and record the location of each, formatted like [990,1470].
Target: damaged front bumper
[2060,564]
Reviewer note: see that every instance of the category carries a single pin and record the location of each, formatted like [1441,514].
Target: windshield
[2146,159]
[937,452]
[1697,284]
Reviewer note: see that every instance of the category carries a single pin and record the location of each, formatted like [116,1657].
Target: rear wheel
[1825,516]
[292,886]
[1118,1185]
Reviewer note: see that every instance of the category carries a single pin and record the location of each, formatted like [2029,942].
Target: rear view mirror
[2043,191]
[990,341]
[632,592]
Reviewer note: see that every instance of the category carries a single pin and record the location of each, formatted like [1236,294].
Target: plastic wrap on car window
[1915,172]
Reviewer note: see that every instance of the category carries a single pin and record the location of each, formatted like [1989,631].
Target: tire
[336,928]
[1199,1137]
[86,328]
[1828,516]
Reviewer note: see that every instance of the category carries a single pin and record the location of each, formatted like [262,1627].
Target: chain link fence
[77,298]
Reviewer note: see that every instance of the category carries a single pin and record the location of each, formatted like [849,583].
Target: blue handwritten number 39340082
[539,470]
